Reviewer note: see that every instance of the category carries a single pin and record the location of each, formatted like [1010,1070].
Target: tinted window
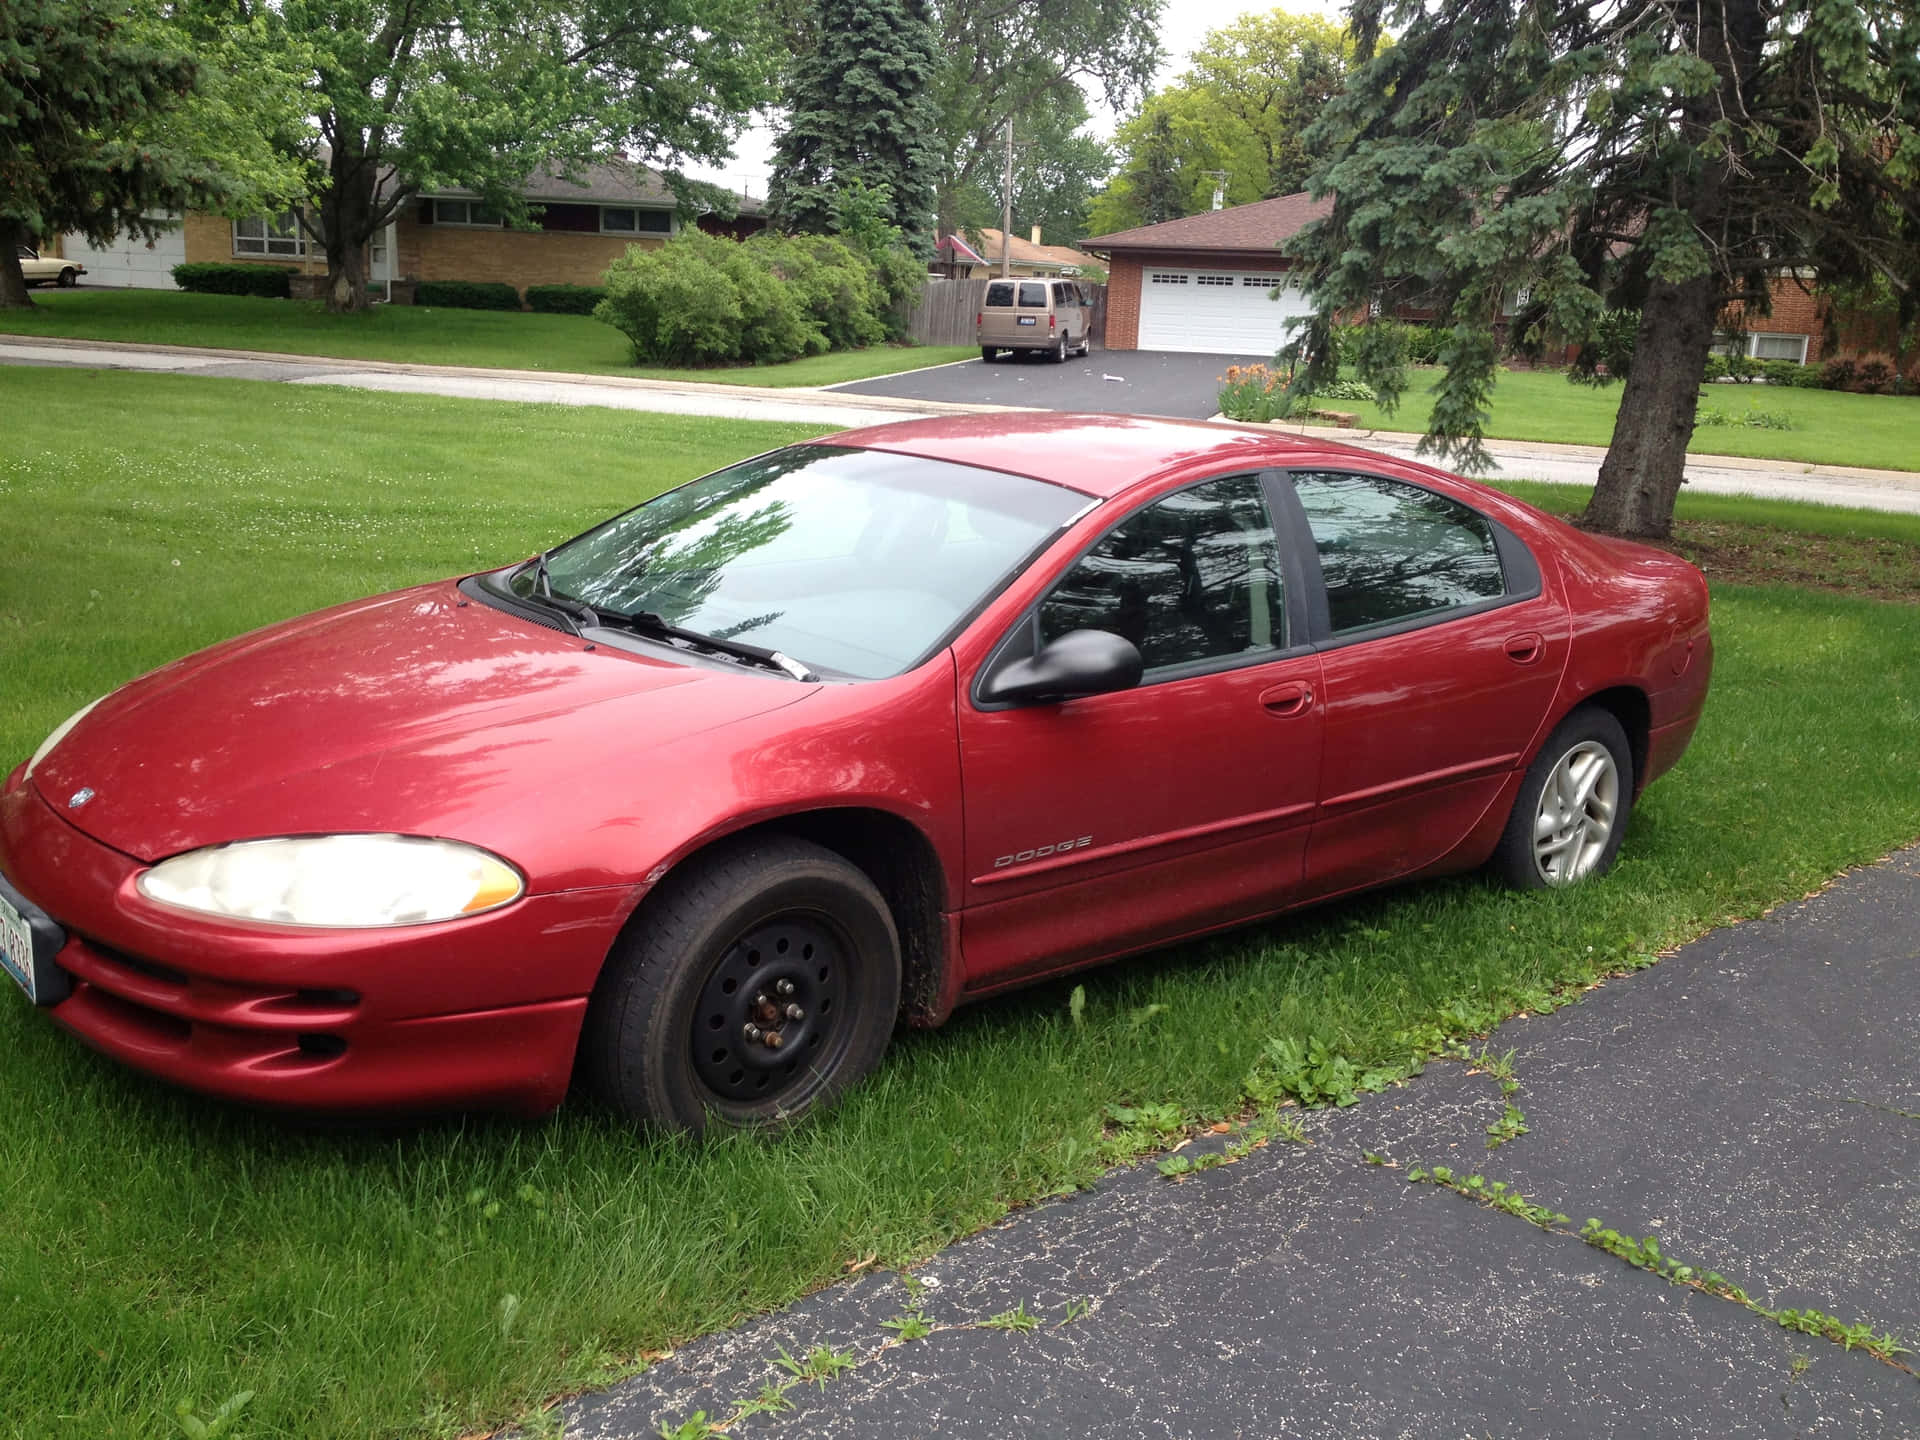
[853,561]
[1032,296]
[1195,576]
[1391,551]
[1063,295]
[1000,294]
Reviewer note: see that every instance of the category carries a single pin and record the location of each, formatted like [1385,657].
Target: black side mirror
[1080,662]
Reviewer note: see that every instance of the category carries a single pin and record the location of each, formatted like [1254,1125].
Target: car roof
[1103,455]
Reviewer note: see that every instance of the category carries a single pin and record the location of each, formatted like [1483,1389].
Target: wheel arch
[1629,705]
[900,860]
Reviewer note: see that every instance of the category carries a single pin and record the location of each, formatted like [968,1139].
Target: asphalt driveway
[1751,1101]
[1110,382]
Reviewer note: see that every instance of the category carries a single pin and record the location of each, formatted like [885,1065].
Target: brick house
[1213,283]
[448,234]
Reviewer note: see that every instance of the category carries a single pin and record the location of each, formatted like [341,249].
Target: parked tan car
[1050,316]
[61,272]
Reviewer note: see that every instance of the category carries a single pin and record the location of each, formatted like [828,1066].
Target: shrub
[467,294]
[1789,372]
[1345,390]
[210,278]
[565,299]
[1839,374]
[1874,377]
[838,289]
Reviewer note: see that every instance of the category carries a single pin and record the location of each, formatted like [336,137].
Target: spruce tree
[75,87]
[1620,155]
[860,109]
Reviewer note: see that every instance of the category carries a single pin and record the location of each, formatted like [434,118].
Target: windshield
[855,562]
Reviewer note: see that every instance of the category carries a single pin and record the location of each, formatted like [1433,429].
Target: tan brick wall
[210,240]
[517,257]
[1124,278]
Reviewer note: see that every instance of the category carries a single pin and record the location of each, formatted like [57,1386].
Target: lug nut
[772,1040]
[785,987]
[794,1012]
[751,1031]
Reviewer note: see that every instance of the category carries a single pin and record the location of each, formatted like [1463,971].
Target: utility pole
[1006,207]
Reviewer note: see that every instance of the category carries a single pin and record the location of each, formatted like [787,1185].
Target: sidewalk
[1753,1102]
[1891,490]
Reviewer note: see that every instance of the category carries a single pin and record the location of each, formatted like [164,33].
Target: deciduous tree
[1628,154]
[1056,169]
[1236,119]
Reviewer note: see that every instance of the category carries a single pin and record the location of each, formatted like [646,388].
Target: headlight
[344,881]
[59,734]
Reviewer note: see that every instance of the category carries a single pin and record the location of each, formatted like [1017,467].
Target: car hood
[420,712]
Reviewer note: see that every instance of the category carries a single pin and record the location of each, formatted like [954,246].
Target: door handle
[1292,698]
[1525,648]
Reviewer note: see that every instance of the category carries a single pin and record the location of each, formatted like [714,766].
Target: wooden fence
[947,307]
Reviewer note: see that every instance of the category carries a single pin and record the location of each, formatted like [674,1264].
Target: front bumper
[480,1013]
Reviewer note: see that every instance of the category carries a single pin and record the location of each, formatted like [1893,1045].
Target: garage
[1205,284]
[130,263]
[1219,312]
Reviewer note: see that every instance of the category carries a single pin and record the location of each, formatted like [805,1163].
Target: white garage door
[130,263]
[1217,312]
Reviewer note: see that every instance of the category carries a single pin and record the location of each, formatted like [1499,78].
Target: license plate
[1029,320]
[44,982]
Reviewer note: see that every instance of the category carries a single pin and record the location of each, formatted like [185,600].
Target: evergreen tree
[1154,175]
[75,88]
[860,108]
[1624,154]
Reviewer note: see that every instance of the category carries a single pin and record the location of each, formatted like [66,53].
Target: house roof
[1259,226]
[614,182]
[988,242]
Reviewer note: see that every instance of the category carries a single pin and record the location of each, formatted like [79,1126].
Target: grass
[429,1281]
[487,339]
[1880,432]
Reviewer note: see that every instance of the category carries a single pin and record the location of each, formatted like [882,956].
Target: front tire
[1571,814]
[69,278]
[757,984]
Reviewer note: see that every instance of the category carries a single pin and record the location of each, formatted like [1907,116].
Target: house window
[628,220]
[465,212]
[1167,279]
[1779,347]
[269,235]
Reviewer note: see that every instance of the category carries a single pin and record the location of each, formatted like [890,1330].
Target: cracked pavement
[1752,1101]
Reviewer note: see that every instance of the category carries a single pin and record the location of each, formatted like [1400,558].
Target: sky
[1183,24]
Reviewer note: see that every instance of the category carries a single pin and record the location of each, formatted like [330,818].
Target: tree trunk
[1647,460]
[346,220]
[13,285]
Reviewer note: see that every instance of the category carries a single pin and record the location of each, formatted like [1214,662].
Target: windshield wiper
[653,623]
[578,611]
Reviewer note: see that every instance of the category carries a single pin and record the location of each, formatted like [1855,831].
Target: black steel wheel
[759,982]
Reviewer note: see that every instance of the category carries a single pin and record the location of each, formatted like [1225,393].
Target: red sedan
[707,798]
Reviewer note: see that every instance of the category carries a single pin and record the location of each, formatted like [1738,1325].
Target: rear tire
[1060,351]
[989,354]
[766,937]
[1571,813]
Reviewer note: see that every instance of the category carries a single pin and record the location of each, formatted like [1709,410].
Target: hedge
[565,299]
[209,278]
[467,294]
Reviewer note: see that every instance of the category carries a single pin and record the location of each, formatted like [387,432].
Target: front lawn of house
[409,334]
[1830,427]
[432,1280]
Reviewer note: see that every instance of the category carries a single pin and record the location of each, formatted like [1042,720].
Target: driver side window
[1193,577]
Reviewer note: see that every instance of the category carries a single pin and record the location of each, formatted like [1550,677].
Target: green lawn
[428,1281]
[489,339]
[1880,432]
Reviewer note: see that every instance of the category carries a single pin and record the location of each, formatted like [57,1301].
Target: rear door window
[1391,552]
[1033,295]
[1000,295]
[1064,295]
